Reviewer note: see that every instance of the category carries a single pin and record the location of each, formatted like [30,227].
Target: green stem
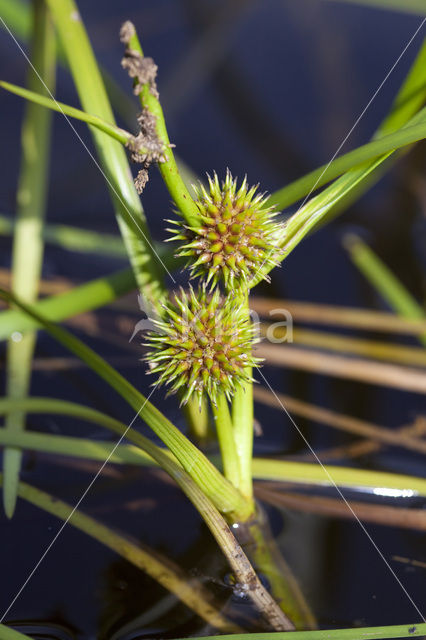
[384,281]
[267,559]
[226,497]
[112,157]
[269,469]
[28,245]
[197,416]
[315,179]
[165,572]
[168,169]
[223,422]
[242,420]
[416,7]
[218,527]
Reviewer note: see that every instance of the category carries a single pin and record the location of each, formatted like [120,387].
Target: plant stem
[86,297]
[197,417]
[223,494]
[285,471]
[224,429]
[165,572]
[242,420]
[384,281]
[168,169]
[28,242]
[112,157]
[257,541]
[235,555]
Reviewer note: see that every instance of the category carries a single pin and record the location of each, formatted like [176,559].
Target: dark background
[270,89]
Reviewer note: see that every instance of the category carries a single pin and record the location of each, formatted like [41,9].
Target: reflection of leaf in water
[130,600]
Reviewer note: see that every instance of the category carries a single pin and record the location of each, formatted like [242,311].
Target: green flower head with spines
[238,237]
[202,345]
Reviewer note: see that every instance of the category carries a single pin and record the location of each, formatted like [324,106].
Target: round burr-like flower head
[203,345]
[238,237]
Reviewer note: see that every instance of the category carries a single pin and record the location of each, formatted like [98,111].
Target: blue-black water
[273,96]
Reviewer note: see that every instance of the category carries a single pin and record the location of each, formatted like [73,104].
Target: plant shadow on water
[82,590]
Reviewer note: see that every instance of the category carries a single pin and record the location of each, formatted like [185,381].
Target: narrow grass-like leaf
[404,114]
[112,158]
[6,633]
[226,497]
[384,281]
[319,177]
[27,258]
[86,297]
[165,572]
[72,447]
[379,482]
[413,630]
[286,471]
[87,241]
[242,421]
[32,96]
[404,6]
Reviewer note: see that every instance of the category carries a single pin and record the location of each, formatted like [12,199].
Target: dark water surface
[272,96]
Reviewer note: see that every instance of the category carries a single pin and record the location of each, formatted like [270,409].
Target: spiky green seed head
[203,345]
[238,238]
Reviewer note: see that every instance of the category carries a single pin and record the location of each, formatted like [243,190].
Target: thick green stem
[223,422]
[168,169]
[223,494]
[242,420]
[197,417]
[28,242]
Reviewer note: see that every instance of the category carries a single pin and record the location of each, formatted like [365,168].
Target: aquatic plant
[202,343]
